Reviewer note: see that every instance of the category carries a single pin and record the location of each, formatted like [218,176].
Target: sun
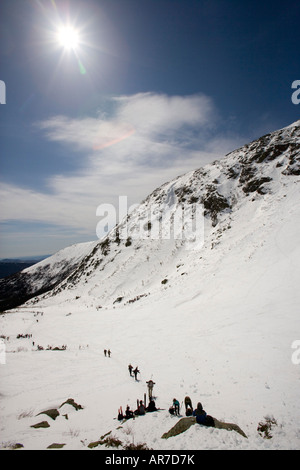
[68,37]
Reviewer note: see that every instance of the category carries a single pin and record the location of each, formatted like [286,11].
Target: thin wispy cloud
[145,140]
[148,117]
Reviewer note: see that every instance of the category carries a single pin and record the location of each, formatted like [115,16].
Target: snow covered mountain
[250,180]
[208,306]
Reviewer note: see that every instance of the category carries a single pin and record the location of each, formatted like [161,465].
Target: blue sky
[153,89]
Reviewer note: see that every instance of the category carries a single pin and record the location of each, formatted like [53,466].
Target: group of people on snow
[135,371]
[175,408]
[141,406]
[140,411]
[199,413]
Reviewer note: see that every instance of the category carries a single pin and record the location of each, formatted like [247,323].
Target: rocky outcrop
[182,425]
[185,423]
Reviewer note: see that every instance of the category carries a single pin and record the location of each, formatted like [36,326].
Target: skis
[138,401]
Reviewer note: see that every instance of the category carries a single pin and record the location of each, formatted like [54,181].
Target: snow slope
[42,277]
[220,328]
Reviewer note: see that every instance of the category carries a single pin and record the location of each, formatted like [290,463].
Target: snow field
[219,330]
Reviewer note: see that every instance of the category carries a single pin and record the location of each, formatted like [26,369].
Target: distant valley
[9,266]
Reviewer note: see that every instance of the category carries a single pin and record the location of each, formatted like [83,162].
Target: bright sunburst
[68,37]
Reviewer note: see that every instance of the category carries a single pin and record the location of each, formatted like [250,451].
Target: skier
[136,371]
[130,369]
[105,352]
[150,388]
[108,352]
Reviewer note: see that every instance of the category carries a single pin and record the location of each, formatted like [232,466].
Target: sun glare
[68,37]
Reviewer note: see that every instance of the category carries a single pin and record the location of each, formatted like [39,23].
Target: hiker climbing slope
[136,372]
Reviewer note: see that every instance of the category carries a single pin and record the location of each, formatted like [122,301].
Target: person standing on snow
[136,372]
[150,384]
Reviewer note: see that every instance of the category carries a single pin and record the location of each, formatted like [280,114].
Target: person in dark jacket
[141,410]
[128,413]
[136,372]
[151,406]
[200,414]
[202,417]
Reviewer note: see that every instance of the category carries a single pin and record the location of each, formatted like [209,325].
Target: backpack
[209,421]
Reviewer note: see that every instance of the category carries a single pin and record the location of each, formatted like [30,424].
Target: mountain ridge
[251,173]
[215,318]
